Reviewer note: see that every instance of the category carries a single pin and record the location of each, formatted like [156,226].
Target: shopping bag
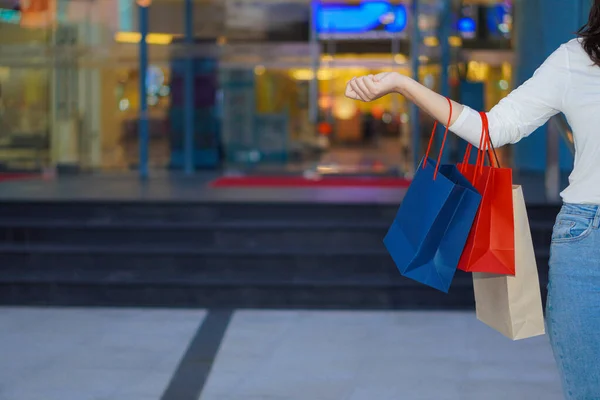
[512,305]
[431,226]
[490,246]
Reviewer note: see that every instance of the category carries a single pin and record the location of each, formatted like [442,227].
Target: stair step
[170,251]
[145,278]
[227,239]
[28,223]
[185,212]
[272,297]
[207,269]
[120,211]
[175,251]
[231,236]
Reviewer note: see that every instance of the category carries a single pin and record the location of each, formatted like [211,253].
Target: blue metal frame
[415,44]
[445,29]
[188,141]
[315,60]
[143,126]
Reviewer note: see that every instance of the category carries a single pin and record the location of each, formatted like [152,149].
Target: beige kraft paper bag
[512,305]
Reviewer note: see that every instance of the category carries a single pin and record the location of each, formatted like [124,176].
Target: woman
[567,82]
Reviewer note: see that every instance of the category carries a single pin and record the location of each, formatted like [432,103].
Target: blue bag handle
[439,160]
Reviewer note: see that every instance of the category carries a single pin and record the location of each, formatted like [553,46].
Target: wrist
[400,83]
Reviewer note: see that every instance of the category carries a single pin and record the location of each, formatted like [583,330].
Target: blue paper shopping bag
[433,222]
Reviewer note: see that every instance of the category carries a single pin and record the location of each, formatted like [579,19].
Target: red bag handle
[439,160]
[491,147]
[485,147]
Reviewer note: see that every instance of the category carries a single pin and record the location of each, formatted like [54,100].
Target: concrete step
[229,235]
[231,296]
[293,255]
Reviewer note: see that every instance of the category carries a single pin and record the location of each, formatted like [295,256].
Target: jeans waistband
[585,210]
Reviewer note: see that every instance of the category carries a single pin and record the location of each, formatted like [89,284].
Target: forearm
[429,101]
[464,122]
[515,117]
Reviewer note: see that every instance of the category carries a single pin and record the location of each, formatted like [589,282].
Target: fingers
[354,84]
[350,93]
[364,88]
[371,85]
[362,84]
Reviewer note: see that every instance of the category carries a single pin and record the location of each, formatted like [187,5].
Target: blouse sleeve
[525,109]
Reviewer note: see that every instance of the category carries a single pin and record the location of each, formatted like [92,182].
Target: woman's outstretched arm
[515,117]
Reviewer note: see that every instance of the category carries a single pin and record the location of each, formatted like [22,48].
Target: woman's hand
[372,87]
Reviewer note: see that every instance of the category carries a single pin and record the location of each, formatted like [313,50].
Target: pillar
[541,26]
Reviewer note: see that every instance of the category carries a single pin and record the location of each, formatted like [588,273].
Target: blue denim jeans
[573,306]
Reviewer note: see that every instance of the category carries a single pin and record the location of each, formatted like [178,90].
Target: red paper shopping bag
[490,246]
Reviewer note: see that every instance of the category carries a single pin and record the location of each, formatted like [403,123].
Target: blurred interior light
[325,74]
[151,38]
[305,74]
[325,102]
[259,70]
[424,22]
[344,108]
[377,111]
[431,41]
[400,59]
[324,128]
[423,58]
[506,70]
[123,105]
[477,72]
[503,84]
[455,41]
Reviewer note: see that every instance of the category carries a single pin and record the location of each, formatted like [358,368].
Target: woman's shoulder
[573,47]
[573,44]
[575,52]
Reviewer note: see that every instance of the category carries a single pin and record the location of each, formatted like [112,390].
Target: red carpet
[16,176]
[294,181]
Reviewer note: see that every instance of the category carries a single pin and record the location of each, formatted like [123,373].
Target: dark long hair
[590,34]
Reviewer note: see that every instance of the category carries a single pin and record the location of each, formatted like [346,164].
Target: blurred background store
[268,81]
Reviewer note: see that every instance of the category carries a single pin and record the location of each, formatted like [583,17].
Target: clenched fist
[372,87]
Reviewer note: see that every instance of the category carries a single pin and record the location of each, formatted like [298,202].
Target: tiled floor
[98,354]
[387,355]
[91,354]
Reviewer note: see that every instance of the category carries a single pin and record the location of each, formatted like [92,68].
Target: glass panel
[24,96]
[264,101]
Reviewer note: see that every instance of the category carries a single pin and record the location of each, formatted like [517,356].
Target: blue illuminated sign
[356,19]
[467,25]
